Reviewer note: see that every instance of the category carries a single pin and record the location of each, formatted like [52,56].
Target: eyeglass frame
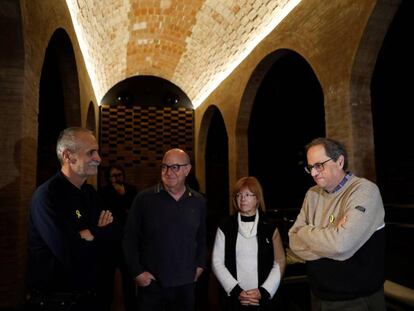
[317,166]
[116,175]
[175,168]
[240,195]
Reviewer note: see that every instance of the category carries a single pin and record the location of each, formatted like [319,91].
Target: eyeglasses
[247,196]
[117,175]
[317,166]
[174,167]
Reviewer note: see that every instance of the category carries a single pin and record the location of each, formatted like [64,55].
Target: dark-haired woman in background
[117,196]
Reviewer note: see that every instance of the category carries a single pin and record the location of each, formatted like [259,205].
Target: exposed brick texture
[190,43]
[137,138]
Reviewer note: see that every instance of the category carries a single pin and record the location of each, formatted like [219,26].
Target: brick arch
[283,105]
[215,167]
[246,106]
[90,118]
[363,153]
[60,43]
[247,103]
[59,101]
[201,142]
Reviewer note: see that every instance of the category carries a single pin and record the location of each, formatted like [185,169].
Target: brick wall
[137,138]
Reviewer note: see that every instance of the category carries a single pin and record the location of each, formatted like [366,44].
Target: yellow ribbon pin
[331,218]
[78,214]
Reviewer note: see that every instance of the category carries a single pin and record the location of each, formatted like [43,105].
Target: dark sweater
[166,237]
[59,260]
[360,275]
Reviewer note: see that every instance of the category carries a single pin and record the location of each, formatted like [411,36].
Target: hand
[199,270]
[144,279]
[119,188]
[342,222]
[250,297]
[86,235]
[105,218]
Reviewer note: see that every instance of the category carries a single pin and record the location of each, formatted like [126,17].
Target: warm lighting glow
[209,88]
[100,67]
[73,9]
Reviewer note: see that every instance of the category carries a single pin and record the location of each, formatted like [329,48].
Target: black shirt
[166,237]
[58,259]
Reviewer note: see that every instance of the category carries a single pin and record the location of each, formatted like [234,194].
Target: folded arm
[363,214]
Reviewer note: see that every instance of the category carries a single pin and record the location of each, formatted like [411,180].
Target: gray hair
[67,140]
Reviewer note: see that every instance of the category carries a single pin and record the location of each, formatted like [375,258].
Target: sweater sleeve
[43,219]
[221,272]
[364,214]
[296,244]
[273,280]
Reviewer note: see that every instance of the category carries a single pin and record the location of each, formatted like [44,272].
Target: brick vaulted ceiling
[194,44]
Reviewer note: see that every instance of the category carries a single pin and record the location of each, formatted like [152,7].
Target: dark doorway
[90,118]
[392,98]
[58,101]
[217,179]
[288,112]
[217,194]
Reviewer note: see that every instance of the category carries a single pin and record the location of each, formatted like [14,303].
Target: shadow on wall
[14,200]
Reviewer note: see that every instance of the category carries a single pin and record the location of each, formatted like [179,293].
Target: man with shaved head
[165,238]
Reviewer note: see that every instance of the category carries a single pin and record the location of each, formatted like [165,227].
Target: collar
[342,183]
[160,188]
[71,186]
[247,218]
[248,229]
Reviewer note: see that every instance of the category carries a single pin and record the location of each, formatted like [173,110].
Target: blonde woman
[248,256]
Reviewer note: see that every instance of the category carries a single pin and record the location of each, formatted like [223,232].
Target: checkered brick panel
[137,138]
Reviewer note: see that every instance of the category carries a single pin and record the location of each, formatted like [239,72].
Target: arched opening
[90,118]
[282,110]
[58,101]
[391,94]
[287,111]
[140,119]
[216,172]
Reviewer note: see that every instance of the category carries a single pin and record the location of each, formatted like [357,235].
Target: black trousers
[107,282]
[373,302]
[61,301]
[156,298]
